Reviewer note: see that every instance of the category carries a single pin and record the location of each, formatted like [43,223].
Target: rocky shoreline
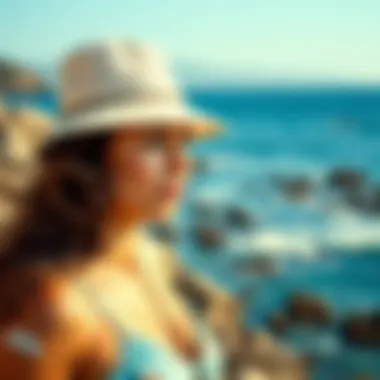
[15,77]
[22,133]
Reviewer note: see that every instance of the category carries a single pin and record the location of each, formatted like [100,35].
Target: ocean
[318,243]
[322,244]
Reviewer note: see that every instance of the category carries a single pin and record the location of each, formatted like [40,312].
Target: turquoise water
[319,245]
[299,133]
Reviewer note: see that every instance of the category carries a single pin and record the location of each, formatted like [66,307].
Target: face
[148,170]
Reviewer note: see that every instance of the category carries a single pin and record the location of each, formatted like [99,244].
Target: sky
[316,40]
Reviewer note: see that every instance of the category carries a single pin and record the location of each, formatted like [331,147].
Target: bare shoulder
[49,331]
[43,300]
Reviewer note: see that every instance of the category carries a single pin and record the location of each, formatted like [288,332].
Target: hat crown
[125,71]
[113,86]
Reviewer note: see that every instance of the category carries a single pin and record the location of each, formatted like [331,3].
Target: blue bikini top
[141,358]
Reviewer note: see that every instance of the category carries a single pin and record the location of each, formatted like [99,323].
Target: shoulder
[45,304]
[51,327]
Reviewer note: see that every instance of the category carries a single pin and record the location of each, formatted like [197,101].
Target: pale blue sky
[314,39]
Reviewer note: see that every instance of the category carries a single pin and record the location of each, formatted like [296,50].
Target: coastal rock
[357,330]
[251,373]
[16,78]
[375,324]
[364,376]
[225,317]
[277,361]
[298,188]
[25,131]
[240,218]
[362,330]
[259,264]
[278,323]
[197,298]
[165,232]
[322,313]
[299,308]
[345,179]
[261,345]
[14,184]
[307,309]
[374,202]
[358,199]
[364,199]
[2,125]
[3,112]
[208,237]
[259,350]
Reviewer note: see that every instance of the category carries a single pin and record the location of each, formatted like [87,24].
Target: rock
[15,78]
[296,188]
[261,345]
[8,211]
[364,376]
[268,354]
[358,199]
[197,298]
[252,373]
[278,323]
[236,217]
[25,133]
[3,116]
[225,317]
[345,179]
[364,199]
[307,309]
[263,265]
[3,112]
[208,237]
[357,330]
[165,233]
[322,312]
[375,325]
[260,350]
[373,203]
[299,308]
[14,186]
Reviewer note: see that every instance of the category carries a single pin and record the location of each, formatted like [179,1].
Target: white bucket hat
[119,85]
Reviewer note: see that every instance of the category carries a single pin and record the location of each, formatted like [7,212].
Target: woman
[84,293]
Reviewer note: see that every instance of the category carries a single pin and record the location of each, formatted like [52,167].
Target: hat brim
[119,118]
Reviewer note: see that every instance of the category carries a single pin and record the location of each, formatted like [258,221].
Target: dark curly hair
[64,210]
